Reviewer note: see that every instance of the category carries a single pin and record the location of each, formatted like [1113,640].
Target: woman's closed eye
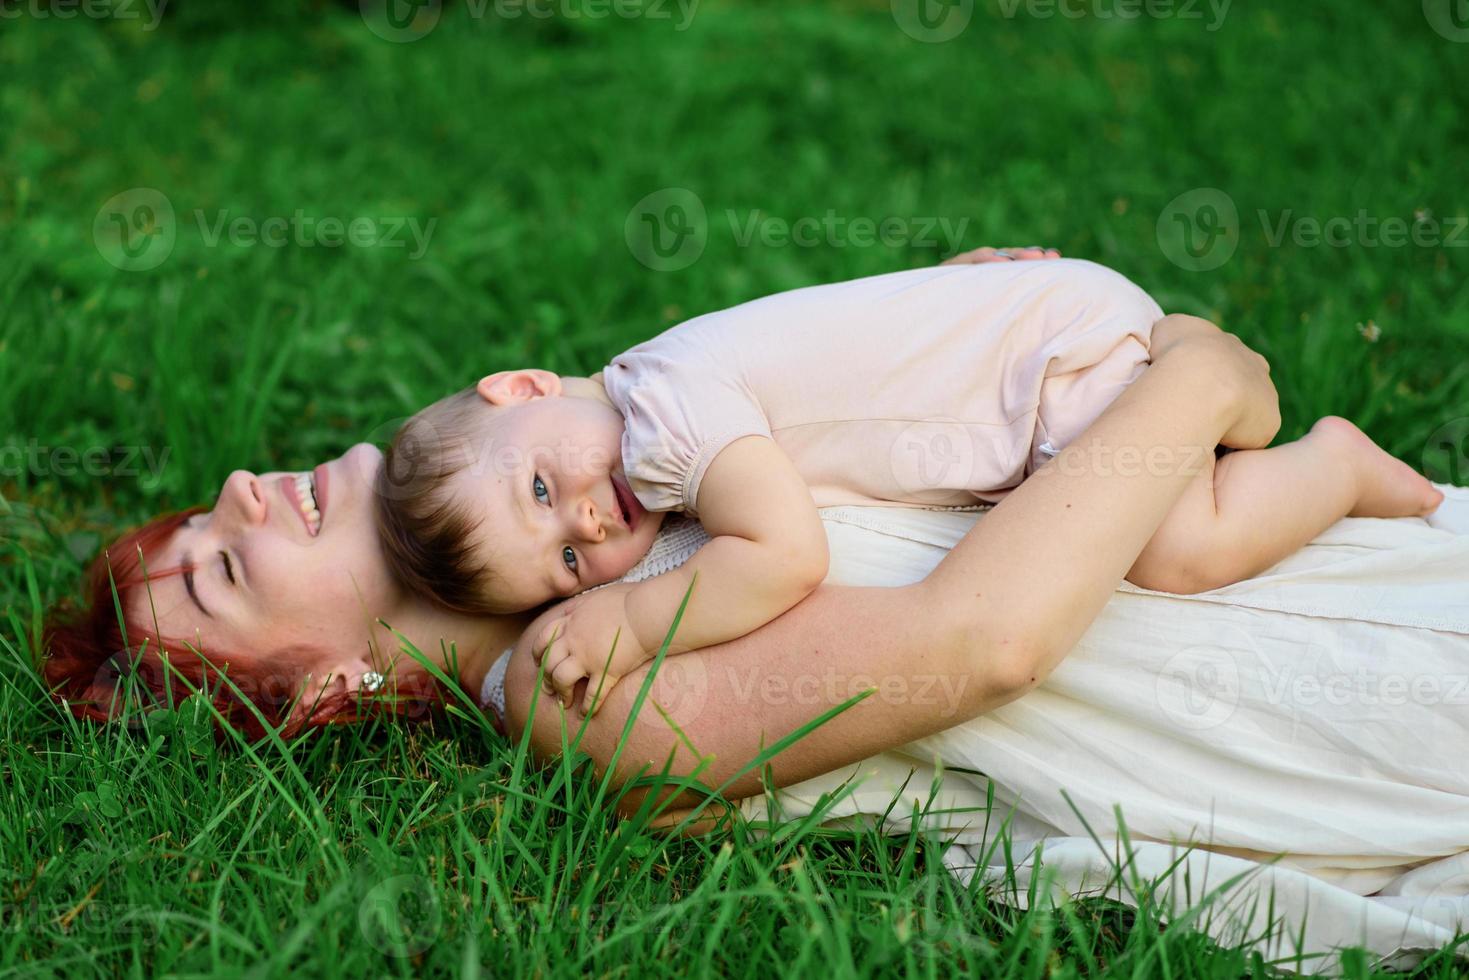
[229,568]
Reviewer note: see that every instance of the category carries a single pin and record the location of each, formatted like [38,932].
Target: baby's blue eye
[569,556]
[539,489]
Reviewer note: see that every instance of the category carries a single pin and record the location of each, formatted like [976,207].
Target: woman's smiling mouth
[303,488]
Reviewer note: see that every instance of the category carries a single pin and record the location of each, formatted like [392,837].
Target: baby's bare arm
[767,552]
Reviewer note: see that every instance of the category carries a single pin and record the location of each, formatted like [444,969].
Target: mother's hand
[1226,359]
[981,256]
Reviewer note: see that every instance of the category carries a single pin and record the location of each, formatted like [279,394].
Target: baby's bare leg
[1251,509]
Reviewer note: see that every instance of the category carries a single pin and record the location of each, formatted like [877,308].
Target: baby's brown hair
[424,534]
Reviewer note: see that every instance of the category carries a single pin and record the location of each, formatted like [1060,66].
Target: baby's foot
[1386,487]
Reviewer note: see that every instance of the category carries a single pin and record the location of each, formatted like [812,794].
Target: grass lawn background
[529,143]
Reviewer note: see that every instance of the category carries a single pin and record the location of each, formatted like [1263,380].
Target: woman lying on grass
[1184,711]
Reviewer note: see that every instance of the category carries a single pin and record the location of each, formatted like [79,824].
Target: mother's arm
[997,614]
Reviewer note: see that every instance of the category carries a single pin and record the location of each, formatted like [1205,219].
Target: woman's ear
[324,690]
[513,387]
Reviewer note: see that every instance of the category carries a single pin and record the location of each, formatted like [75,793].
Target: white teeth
[306,499]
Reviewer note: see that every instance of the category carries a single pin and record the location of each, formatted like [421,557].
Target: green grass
[528,142]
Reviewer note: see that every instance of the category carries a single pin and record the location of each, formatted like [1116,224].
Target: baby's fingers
[598,687]
[567,673]
[558,654]
[553,631]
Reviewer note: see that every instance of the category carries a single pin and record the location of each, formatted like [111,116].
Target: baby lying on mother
[286,583]
[931,387]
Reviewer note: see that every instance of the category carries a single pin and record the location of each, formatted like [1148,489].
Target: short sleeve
[679,414]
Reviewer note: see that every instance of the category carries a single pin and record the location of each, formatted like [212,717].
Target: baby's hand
[577,645]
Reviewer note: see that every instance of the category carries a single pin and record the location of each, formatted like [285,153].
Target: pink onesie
[930,387]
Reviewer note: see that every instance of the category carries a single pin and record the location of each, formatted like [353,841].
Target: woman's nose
[243,498]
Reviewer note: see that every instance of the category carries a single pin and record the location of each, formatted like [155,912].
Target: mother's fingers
[980,256]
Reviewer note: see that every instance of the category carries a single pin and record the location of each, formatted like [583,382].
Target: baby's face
[555,513]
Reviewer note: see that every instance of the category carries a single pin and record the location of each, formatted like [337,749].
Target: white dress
[1307,731]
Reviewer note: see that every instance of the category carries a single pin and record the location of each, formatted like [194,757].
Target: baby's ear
[513,387]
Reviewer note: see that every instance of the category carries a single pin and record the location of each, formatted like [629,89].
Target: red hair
[92,645]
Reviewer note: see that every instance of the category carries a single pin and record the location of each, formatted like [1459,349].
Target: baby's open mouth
[622,504]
